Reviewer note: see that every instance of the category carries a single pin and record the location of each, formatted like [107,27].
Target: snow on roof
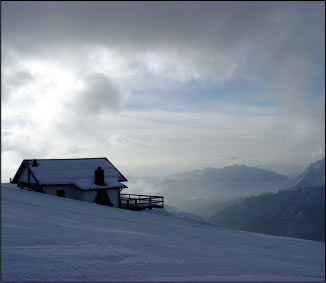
[76,171]
[87,184]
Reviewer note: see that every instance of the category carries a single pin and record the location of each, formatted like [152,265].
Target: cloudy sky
[163,87]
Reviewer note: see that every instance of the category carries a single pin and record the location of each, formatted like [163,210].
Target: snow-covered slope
[46,238]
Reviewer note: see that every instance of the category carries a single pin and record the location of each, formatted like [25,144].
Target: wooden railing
[31,187]
[140,202]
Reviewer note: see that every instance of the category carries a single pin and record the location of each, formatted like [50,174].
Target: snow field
[46,238]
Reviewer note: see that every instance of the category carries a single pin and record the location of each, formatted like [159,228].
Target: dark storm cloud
[144,25]
[20,78]
[13,75]
[12,82]
[98,95]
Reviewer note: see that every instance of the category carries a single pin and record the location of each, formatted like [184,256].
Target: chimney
[34,164]
[99,176]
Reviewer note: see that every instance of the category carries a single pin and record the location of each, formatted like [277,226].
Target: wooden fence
[140,202]
[31,187]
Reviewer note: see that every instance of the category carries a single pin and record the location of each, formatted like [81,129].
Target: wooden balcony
[140,202]
[30,187]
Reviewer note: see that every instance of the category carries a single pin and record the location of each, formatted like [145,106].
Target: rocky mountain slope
[296,213]
[314,175]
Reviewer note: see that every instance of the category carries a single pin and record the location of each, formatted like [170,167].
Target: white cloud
[318,154]
[65,95]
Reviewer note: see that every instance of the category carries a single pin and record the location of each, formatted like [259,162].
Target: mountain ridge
[298,210]
[298,213]
[314,175]
[194,188]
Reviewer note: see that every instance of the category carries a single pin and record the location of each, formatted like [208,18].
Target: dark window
[61,193]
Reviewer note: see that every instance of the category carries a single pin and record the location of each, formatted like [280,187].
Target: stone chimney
[34,164]
[99,176]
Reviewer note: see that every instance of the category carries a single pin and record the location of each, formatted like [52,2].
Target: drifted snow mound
[47,238]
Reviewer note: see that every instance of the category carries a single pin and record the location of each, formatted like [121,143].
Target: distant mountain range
[231,178]
[192,190]
[247,198]
[298,211]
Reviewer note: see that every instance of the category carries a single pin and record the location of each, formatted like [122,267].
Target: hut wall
[88,196]
[114,196]
[70,191]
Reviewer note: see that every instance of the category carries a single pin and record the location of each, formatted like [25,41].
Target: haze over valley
[217,193]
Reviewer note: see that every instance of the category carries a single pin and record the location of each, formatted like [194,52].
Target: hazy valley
[243,197]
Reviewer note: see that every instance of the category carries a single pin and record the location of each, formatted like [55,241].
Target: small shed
[88,179]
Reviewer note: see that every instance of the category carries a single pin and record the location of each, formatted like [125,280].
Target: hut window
[61,193]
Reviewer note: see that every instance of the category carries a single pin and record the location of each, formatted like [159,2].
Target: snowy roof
[79,172]
[87,184]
